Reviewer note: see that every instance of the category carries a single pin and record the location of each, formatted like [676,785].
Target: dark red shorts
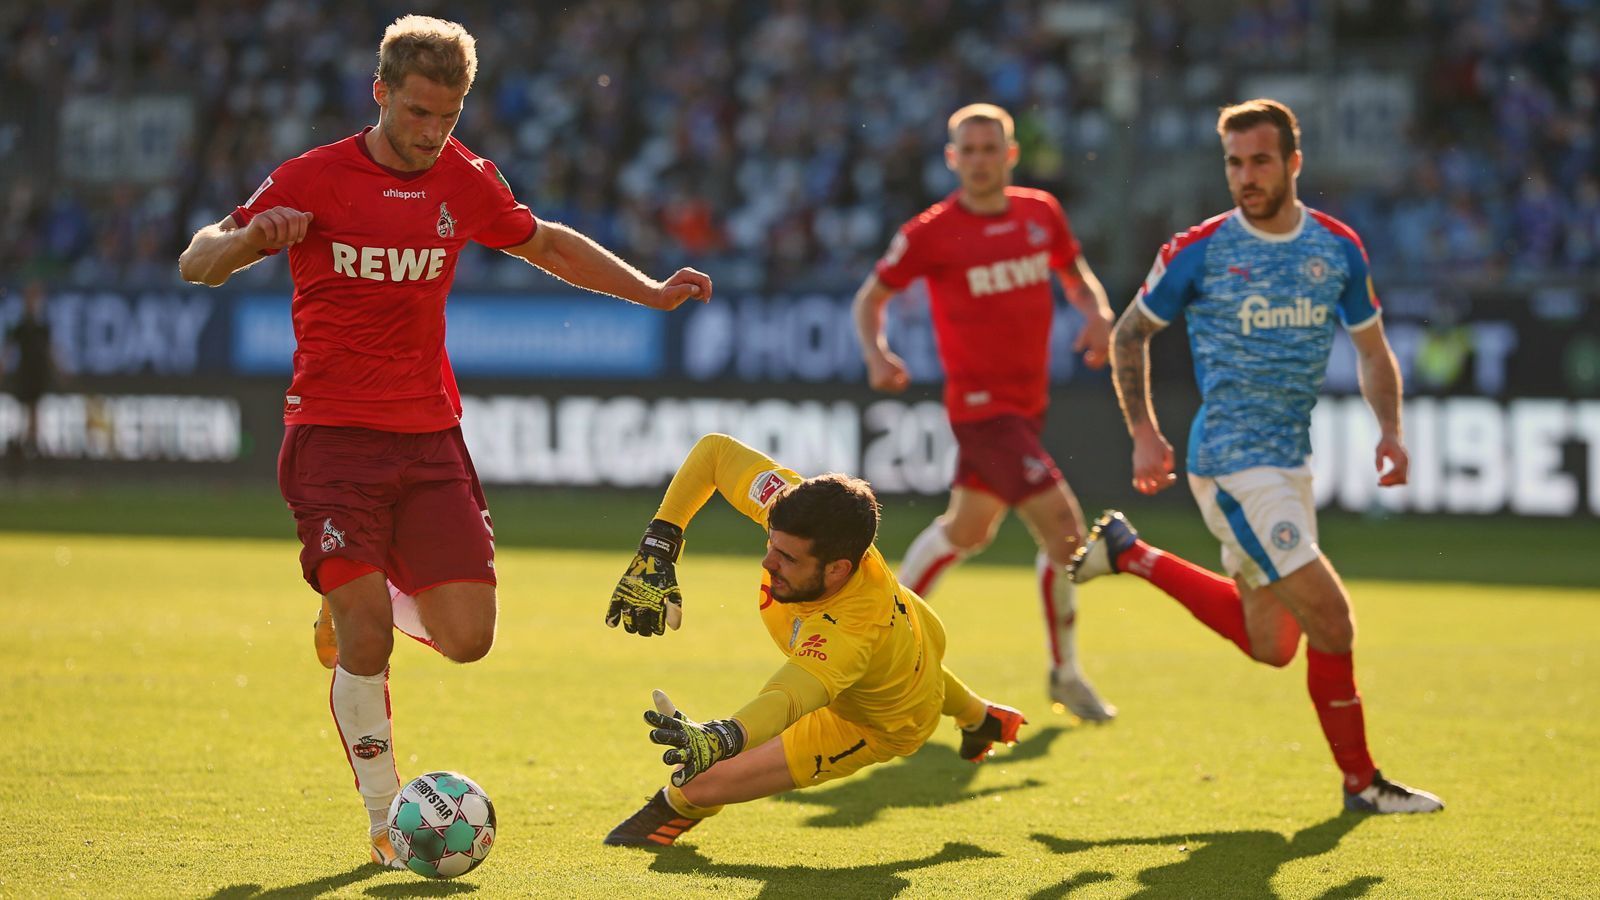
[1003,456]
[408,504]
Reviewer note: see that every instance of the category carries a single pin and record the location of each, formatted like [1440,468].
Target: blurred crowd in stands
[776,143]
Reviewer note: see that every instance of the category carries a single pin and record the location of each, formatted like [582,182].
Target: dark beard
[801,595]
[1274,206]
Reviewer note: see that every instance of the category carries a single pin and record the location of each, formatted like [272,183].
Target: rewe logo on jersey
[1009,274]
[388,263]
[1257,313]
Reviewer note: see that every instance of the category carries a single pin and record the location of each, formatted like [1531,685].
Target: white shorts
[1265,518]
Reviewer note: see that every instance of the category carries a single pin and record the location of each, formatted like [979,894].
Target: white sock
[361,715]
[1059,598]
[928,558]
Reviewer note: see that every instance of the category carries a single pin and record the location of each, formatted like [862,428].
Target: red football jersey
[372,276]
[989,286]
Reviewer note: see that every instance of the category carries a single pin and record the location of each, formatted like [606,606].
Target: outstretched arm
[579,261]
[697,746]
[1130,372]
[647,600]
[1380,385]
[719,463]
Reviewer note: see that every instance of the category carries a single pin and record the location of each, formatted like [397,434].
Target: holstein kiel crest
[447,222]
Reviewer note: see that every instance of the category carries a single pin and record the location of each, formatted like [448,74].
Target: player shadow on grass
[935,776]
[1227,863]
[881,880]
[412,887]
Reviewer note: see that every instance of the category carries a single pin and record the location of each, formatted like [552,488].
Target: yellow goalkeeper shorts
[820,747]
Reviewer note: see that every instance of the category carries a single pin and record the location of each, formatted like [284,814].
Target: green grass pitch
[167,728]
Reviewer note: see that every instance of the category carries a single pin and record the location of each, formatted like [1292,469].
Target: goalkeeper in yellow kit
[864,681]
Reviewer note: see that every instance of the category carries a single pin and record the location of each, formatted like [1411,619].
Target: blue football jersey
[1260,310]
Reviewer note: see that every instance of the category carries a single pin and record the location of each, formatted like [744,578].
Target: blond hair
[1262,111]
[982,112]
[438,50]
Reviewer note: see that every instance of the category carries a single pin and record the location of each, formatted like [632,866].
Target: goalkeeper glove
[695,746]
[647,599]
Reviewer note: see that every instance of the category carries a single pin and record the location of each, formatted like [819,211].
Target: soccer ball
[441,825]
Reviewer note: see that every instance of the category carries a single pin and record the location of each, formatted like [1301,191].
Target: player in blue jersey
[1261,286]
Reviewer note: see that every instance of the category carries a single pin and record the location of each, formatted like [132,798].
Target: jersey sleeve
[507,222]
[789,694]
[836,653]
[286,186]
[746,477]
[1173,280]
[1064,249]
[1358,304]
[905,260]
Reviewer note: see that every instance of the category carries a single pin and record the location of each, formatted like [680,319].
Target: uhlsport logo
[813,646]
[1285,536]
[369,747]
[1257,313]
[447,223]
[332,538]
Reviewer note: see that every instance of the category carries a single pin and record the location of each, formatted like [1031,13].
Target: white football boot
[1109,537]
[1385,796]
[1069,689]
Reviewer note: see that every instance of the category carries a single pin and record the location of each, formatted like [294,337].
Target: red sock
[1212,598]
[1331,679]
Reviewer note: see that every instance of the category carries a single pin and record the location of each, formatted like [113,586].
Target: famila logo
[1257,313]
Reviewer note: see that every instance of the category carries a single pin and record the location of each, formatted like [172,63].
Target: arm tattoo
[1130,365]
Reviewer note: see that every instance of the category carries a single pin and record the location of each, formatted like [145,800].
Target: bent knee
[1276,657]
[466,648]
[1278,650]
[968,538]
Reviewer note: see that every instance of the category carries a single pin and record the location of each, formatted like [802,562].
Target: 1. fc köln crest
[447,223]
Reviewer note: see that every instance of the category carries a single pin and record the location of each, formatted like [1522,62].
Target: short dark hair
[837,513]
[1262,111]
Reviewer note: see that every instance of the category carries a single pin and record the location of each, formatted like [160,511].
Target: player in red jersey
[988,251]
[373,465]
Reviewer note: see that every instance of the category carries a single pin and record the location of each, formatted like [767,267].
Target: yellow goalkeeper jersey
[874,645]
